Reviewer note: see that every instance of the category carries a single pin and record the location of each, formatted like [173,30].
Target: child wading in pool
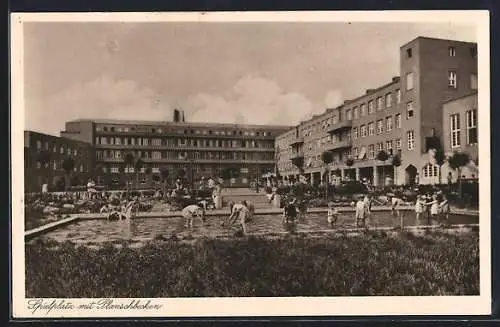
[361,211]
[332,214]
[434,205]
[419,207]
[240,212]
[193,211]
[444,208]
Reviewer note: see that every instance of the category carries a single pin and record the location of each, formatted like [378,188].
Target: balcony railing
[345,124]
[297,141]
[340,145]
[176,147]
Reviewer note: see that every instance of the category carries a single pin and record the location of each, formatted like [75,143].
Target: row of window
[55,149]
[373,149]
[113,129]
[197,169]
[181,142]
[58,165]
[182,155]
[471,129]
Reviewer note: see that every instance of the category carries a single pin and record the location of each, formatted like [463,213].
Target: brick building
[43,161]
[399,117]
[238,153]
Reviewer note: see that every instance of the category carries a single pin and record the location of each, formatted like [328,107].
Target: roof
[436,39]
[185,124]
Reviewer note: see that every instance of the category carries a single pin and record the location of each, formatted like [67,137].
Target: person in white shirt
[360,212]
[419,207]
[239,211]
[193,211]
[434,205]
[396,203]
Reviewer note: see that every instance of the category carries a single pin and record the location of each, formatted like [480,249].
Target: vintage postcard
[250,164]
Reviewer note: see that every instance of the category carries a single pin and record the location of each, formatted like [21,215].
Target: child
[332,214]
[419,207]
[192,211]
[360,212]
[395,203]
[434,205]
[241,212]
[290,211]
[445,208]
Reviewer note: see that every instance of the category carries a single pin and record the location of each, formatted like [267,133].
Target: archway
[411,174]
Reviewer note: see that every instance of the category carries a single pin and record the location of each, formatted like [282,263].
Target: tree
[382,156]
[440,159]
[396,162]
[128,162]
[138,164]
[68,165]
[164,173]
[326,158]
[456,162]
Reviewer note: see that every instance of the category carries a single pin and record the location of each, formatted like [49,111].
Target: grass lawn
[372,264]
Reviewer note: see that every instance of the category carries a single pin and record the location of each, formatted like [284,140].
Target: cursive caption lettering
[47,306]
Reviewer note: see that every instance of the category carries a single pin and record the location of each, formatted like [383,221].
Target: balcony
[339,126]
[297,141]
[340,145]
[178,161]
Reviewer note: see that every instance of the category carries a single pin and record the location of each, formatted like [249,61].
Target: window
[398,96]
[145,141]
[452,79]
[75,152]
[54,149]
[388,100]
[408,53]
[379,103]
[379,147]
[355,134]
[409,81]
[156,142]
[54,164]
[473,52]
[38,145]
[451,51]
[371,109]
[348,114]
[356,153]
[363,131]
[388,147]
[409,110]
[398,120]
[38,165]
[398,144]
[118,141]
[411,140]
[356,112]
[156,155]
[472,127]
[473,81]
[371,151]
[430,170]
[62,150]
[363,110]
[104,140]
[371,129]
[380,126]
[388,123]
[455,130]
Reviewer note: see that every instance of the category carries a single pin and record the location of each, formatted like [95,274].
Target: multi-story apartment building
[44,156]
[399,118]
[198,149]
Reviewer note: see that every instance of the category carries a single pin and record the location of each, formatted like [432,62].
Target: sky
[254,73]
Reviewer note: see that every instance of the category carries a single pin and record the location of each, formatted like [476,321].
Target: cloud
[252,100]
[104,97]
[333,99]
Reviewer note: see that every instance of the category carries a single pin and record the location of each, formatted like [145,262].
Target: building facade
[44,156]
[237,153]
[399,117]
[460,133]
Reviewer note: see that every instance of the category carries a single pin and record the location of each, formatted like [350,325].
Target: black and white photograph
[250,164]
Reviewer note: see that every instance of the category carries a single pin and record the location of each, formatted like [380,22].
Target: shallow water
[138,230]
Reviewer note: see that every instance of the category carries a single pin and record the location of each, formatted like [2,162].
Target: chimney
[176,116]
[369,91]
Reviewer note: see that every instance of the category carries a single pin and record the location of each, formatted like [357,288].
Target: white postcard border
[300,306]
